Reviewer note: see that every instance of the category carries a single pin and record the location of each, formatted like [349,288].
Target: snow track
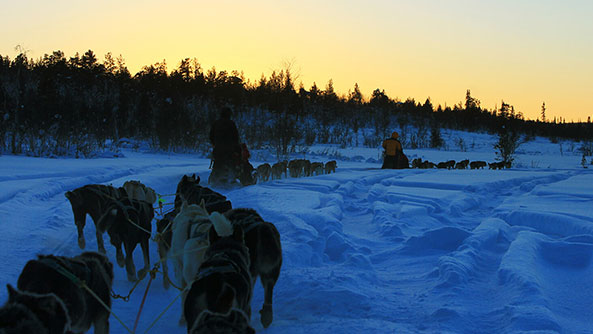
[383,251]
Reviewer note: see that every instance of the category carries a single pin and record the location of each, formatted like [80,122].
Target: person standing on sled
[393,152]
[226,152]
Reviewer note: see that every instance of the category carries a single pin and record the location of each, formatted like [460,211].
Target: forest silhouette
[57,105]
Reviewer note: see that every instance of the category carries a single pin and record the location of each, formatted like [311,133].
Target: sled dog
[462,164]
[427,165]
[189,189]
[477,164]
[263,172]
[317,168]
[330,166]
[299,167]
[128,223]
[27,312]
[448,164]
[164,227]
[294,168]
[265,252]
[190,240]
[278,169]
[223,280]
[47,274]
[92,199]
[498,165]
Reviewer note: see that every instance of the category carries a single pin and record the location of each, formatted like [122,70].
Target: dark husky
[462,164]
[234,322]
[477,164]
[165,233]
[330,166]
[223,280]
[265,252]
[128,222]
[189,189]
[446,164]
[48,274]
[27,312]
[92,199]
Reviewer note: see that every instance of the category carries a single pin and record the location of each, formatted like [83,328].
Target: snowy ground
[381,251]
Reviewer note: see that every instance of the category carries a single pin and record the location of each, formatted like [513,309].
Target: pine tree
[470,102]
[544,112]
[508,142]
[355,97]
[436,140]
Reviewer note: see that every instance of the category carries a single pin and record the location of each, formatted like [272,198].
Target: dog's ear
[71,196]
[212,235]
[12,292]
[197,180]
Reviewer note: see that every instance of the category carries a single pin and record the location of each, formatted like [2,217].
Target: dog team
[217,254]
[294,168]
[463,164]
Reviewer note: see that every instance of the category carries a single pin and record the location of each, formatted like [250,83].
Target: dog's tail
[222,225]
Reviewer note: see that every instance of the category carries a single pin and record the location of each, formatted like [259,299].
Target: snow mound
[442,239]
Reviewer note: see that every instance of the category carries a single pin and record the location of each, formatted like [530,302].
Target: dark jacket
[224,133]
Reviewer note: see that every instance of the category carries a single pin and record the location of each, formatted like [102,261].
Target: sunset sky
[524,52]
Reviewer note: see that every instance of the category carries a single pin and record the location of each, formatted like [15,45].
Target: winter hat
[395,135]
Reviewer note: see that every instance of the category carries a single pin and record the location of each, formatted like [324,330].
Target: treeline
[59,105]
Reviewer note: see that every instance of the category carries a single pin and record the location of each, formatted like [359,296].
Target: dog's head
[78,208]
[74,198]
[234,243]
[185,185]
[48,308]
[188,180]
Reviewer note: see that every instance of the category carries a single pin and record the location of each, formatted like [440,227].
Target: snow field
[382,251]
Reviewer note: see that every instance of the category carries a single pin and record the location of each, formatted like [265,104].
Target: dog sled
[232,169]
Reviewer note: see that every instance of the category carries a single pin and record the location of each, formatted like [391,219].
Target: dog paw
[81,243]
[267,315]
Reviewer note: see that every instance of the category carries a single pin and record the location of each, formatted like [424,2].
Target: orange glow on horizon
[523,53]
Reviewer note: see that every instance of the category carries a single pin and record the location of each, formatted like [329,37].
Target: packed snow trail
[407,251]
